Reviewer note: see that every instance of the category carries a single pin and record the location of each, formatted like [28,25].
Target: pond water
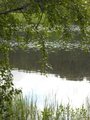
[68,80]
[41,86]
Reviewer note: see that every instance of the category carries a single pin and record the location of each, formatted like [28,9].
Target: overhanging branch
[14,9]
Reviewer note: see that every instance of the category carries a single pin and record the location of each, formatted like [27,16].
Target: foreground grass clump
[25,109]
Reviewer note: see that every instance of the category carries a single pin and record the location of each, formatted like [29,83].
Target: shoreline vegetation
[22,22]
[23,108]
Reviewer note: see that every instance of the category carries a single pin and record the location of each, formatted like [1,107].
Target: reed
[27,109]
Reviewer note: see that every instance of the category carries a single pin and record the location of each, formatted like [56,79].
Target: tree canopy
[37,20]
[20,20]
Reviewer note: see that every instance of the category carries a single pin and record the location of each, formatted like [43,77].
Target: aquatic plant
[27,109]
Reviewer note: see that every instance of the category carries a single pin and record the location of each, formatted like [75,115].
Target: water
[68,80]
[41,86]
[72,65]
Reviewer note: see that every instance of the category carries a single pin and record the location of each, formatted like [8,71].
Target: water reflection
[72,65]
[74,92]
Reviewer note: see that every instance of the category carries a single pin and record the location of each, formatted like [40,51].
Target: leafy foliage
[35,20]
[27,109]
[20,20]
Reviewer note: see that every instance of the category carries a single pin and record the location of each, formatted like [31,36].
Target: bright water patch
[42,86]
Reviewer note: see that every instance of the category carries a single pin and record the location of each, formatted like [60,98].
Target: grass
[25,109]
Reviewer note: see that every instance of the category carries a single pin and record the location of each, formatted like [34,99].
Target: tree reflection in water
[72,65]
